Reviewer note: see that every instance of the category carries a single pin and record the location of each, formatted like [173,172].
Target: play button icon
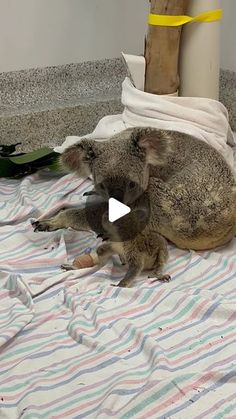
[116,210]
[120,202]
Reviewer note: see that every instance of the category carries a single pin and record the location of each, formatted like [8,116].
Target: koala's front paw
[67,267]
[44,225]
[122,284]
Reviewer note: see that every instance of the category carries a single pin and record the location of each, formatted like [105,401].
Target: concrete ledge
[43,106]
[50,127]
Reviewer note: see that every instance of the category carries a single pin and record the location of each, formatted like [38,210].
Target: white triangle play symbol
[116,209]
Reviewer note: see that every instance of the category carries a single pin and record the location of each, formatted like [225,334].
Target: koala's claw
[36,226]
[43,226]
[68,267]
[164,278]
[161,278]
[89,193]
[102,236]
[121,284]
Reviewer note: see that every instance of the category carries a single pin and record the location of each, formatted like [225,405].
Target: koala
[190,187]
[145,251]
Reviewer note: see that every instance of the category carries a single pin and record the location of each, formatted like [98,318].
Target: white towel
[204,118]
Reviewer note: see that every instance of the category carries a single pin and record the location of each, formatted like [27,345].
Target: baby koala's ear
[157,144]
[79,157]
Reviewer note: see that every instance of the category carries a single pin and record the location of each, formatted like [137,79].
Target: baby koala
[146,250]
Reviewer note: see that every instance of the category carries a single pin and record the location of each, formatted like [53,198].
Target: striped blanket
[73,346]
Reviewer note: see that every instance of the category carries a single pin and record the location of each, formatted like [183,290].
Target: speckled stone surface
[42,106]
[56,86]
[228,94]
[50,127]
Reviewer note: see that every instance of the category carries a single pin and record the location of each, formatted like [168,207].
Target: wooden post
[162,49]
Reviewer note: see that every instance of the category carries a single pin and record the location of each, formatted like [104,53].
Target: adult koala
[191,189]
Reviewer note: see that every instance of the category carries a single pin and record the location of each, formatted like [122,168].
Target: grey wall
[38,33]
[228,35]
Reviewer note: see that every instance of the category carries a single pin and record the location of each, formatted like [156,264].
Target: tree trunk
[162,49]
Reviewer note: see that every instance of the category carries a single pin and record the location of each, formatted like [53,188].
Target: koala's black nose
[117,194]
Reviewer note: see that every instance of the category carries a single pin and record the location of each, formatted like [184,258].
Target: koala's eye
[131,185]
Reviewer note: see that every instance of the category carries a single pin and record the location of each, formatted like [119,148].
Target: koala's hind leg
[161,259]
[135,267]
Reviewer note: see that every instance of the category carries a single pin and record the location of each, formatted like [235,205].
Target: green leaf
[19,166]
[34,155]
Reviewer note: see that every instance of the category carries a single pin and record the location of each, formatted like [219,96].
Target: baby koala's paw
[68,267]
[103,236]
[122,284]
[160,277]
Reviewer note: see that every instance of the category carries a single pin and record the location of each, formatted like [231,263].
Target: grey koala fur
[147,250]
[190,187]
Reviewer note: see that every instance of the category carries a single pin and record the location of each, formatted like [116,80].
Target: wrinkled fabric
[73,346]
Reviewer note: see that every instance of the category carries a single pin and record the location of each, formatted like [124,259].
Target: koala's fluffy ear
[157,144]
[79,157]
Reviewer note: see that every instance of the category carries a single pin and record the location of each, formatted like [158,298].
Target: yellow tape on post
[168,20]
